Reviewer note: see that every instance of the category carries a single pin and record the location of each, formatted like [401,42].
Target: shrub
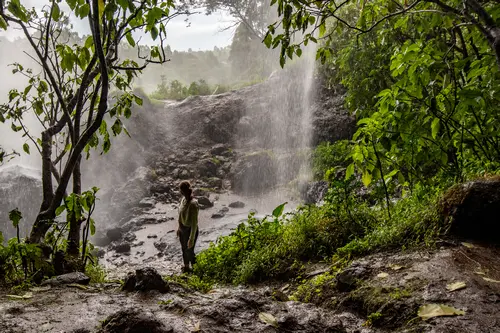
[329,156]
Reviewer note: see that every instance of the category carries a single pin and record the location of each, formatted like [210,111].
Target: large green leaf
[15,216]
[278,211]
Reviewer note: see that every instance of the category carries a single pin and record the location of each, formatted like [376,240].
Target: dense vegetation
[423,81]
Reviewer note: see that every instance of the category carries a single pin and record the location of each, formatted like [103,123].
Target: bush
[275,246]
[344,227]
[414,221]
[328,156]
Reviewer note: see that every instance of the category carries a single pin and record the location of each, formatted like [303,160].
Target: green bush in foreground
[275,247]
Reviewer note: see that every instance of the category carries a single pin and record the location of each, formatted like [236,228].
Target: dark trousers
[187,254]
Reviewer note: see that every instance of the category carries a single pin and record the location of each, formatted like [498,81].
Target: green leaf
[92,227]
[17,10]
[367,178]
[278,211]
[435,126]
[3,24]
[117,127]
[56,11]
[103,129]
[26,148]
[89,42]
[130,39]
[122,3]
[15,216]
[349,171]
[100,5]
[268,40]
[322,29]
[154,33]
[138,100]
[60,209]
[84,11]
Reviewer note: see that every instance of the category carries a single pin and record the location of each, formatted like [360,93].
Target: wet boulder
[348,279]
[133,321]
[114,234]
[221,213]
[70,278]
[122,248]
[254,173]
[208,168]
[145,279]
[237,204]
[220,149]
[204,202]
[472,209]
[314,192]
[160,245]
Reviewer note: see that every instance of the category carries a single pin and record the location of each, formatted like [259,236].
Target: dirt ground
[395,285]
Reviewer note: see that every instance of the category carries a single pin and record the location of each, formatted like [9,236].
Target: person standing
[188,225]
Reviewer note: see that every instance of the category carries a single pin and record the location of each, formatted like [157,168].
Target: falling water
[283,127]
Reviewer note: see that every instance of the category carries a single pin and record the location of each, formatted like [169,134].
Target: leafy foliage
[422,79]
[177,91]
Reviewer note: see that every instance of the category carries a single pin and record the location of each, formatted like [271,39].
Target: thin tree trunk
[41,223]
[74,223]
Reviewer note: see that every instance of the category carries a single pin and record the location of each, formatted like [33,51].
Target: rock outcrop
[20,188]
[473,209]
[133,321]
[145,279]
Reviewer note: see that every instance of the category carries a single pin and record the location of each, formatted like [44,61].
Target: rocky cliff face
[20,188]
[233,141]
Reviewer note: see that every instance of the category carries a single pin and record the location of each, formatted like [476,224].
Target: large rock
[349,278]
[254,173]
[75,277]
[145,279]
[473,209]
[237,204]
[204,202]
[114,234]
[314,192]
[20,188]
[330,121]
[133,321]
[131,193]
[207,168]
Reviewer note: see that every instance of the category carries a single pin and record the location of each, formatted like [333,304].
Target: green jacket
[188,215]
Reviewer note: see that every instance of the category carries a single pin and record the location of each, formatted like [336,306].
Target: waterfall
[281,125]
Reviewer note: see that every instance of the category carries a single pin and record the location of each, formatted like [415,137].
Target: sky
[201,33]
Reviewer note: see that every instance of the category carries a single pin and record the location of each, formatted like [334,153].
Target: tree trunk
[42,224]
[74,223]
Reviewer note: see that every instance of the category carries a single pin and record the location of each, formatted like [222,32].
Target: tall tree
[255,15]
[71,92]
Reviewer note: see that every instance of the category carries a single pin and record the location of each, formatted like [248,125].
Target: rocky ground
[378,293]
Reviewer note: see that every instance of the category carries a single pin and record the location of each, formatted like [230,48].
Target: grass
[345,227]
[96,273]
[190,282]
